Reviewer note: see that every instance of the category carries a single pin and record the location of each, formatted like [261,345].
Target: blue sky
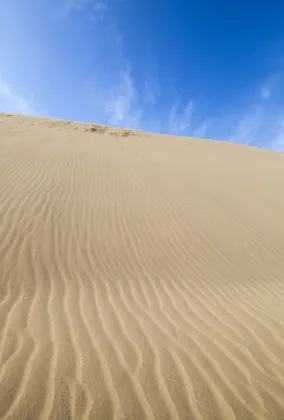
[211,69]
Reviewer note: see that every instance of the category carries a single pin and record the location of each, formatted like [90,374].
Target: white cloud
[118,102]
[11,101]
[149,94]
[265,93]
[116,99]
[261,124]
[278,144]
[96,9]
[248,126]
[201,130]
[180,119]
[121,98]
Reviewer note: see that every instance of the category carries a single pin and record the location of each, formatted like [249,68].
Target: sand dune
[141,275]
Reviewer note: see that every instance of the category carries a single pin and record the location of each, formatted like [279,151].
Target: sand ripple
[141,276]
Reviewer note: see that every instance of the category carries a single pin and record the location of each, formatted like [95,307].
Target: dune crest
[141,275]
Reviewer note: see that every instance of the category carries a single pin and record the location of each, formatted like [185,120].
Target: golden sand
[141,275]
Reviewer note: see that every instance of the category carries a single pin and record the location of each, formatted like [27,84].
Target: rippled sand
[141,276]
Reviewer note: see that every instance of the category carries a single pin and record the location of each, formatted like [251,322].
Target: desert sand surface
[141,275]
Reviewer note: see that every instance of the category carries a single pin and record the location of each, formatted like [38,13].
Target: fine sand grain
[141,275]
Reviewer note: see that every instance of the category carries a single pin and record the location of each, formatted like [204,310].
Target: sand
[141,275]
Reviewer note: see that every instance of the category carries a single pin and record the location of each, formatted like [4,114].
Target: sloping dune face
[141,276]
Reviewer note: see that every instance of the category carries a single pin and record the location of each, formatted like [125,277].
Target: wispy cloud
[262,123]
[12,101]
[248,126]
[180,119]
[122,101]
[117,98]
[278,140]
[265,92]
[256,118]
[278,144]
[185,121]
[96,9]
[111,88]
[117,101]
[200,131]
[150,94]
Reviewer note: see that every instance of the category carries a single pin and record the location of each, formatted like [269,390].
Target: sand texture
[141,275]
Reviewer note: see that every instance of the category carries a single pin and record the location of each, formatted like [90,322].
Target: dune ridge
[141,275]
